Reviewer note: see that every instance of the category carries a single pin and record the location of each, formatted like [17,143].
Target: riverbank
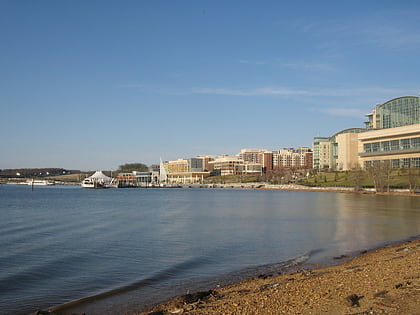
[265,186]
[381,281]
[297,187]
[293,187]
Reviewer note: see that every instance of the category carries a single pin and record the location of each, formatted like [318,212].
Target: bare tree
[275,176]
[413,177]
[356,177]
[380,173]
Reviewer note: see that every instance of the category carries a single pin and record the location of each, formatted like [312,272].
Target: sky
[93,85]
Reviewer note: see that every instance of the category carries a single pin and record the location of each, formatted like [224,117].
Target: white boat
[87,183]
[98,180]
[39,182]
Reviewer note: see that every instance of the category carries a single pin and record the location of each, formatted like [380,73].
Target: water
[138,246]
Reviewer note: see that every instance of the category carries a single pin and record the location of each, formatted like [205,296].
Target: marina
[99,181]
[40,182]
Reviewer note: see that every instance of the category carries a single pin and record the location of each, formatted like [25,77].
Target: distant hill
[35,172]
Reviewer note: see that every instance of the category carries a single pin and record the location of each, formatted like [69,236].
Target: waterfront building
[136,179]
[287,158]
[306,157]
[227,165]
[250,168]
[344,149]
[178,166]
[400,146]
[401,111]
[251,155]
[266,160]
[347,157]
[392,134]
[338,152]
[290,158]
[207,167]
[322,153]
[185,171]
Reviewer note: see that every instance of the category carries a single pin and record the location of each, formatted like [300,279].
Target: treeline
[35,172]
[48,171]
[130,167]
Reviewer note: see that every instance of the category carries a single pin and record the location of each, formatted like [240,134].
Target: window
[395,163]
[375,146]
[386,146]
[395,145]
[405,144]
[415,142]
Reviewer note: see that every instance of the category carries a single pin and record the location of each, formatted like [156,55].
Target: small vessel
[98,180]
[88,183]
[39,182]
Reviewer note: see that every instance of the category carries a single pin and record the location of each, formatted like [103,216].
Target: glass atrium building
[401,111]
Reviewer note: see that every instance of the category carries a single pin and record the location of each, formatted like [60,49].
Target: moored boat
[40,182]
[98,180]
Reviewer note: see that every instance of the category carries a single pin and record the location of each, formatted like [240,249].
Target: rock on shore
[384,281]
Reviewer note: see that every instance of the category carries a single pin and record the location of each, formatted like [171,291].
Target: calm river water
[138,246]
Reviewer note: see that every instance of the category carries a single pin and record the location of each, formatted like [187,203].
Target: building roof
[98,175]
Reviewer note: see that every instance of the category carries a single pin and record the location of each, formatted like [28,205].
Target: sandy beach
[382,281]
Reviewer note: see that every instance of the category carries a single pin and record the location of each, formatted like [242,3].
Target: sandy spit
[383,281]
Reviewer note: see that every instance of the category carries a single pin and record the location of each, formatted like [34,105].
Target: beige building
[290,158]
[392,134]
[322,157]
[178,166]
[206,161]
[185,171]
[347,151]
[250,168]
[227,165]
[338,152]
[251,155]
[400,146]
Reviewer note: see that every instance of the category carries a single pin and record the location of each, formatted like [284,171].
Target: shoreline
[399,192]
[264,186]
[352,286]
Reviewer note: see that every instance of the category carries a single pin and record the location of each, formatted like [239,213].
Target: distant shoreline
[264,186]
[392,192]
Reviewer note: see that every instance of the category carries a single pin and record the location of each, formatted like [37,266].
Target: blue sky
[95,84]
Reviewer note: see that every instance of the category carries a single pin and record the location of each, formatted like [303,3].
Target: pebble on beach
[384,281]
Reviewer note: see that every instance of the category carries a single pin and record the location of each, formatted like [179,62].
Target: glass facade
[393,145]
[318,151]
[398,163]
[398,112]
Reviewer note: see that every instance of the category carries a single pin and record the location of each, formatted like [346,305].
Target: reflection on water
[367,220]
[59,244]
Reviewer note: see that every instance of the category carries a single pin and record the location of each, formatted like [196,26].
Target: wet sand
[383,281]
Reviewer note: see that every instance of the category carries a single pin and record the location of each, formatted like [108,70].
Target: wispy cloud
[266,91]
[363,92]
[347,112]
[255,62]
[292,65]
[305,66]
[385,29]
[285,91]
[393,37]
[357,95]
[131,86]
